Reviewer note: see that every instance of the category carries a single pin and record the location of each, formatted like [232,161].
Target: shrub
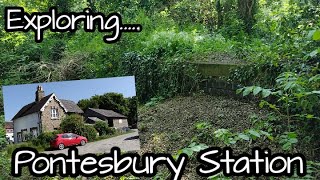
[5,166]
[72,124]
[29,136]
[44,138]
[158,77]
[102,128]
[11,147]
[89,132]
[110,130]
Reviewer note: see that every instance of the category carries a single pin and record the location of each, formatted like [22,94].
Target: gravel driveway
[126,142]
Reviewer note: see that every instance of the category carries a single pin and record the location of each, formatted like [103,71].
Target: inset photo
[94,115]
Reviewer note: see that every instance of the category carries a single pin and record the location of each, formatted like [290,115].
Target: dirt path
[126,142]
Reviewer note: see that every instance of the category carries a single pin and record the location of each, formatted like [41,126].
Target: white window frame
[54,113]
[34,132]
[24,134]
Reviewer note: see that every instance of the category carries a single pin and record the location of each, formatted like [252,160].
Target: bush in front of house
[44,138]
[89,132]
[103,128]
[72,124]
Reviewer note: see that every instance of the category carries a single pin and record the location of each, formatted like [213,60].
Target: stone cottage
[42,115]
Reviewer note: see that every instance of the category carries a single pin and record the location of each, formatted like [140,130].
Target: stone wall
[216,86]
[120,123]
[208,69]
[213,82]
[49,124]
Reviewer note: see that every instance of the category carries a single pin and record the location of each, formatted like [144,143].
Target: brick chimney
[39,93]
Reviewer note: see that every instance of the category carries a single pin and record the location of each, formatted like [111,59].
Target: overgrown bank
[181,123]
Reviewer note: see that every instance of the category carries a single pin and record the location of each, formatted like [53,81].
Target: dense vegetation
[278,41]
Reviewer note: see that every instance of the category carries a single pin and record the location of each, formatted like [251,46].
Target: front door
[110,122]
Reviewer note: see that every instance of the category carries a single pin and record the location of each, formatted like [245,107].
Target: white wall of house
[10,136]
[25,122]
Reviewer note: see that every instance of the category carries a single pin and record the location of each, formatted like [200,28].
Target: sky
[17,96]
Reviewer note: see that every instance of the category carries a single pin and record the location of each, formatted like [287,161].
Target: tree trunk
[247,9]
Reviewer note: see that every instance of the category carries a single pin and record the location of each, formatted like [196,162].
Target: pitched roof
[94,119]
[108,113]
[34,107]
[71,106]
[9,125]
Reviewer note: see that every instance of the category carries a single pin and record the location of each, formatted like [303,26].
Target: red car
[67,139]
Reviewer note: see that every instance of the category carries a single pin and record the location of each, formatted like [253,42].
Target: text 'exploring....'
[16,19]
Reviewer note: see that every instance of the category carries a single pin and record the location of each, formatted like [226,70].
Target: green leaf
[238,91]
[272,106]
[315,78]
[263,103]
[264,133]
[313,53]
[286,146]
[292,135]
[316,35]
[309,116]
[288,86]
[254,133]
[265,93]
[270,137]
[192,144]
[316,92]
[244,136]
[247,91]
[293,140]
[256,90]
[310,34]
[199,147]
[232,141]
[187,151]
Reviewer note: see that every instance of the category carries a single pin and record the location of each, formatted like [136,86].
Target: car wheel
[61,146]
[83,142]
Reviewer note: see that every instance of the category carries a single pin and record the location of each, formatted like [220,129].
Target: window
[74,136]
[19,136]
[120,121]
[54,113]
[66,135]
[34,132]
[24,134]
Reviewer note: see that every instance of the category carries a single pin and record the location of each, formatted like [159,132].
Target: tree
[109,101]
[102,128]
[115,102]
[219,11]
[247,9]
[133,112]
[3,141]
[72,124]
[88,103]
[89,132]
